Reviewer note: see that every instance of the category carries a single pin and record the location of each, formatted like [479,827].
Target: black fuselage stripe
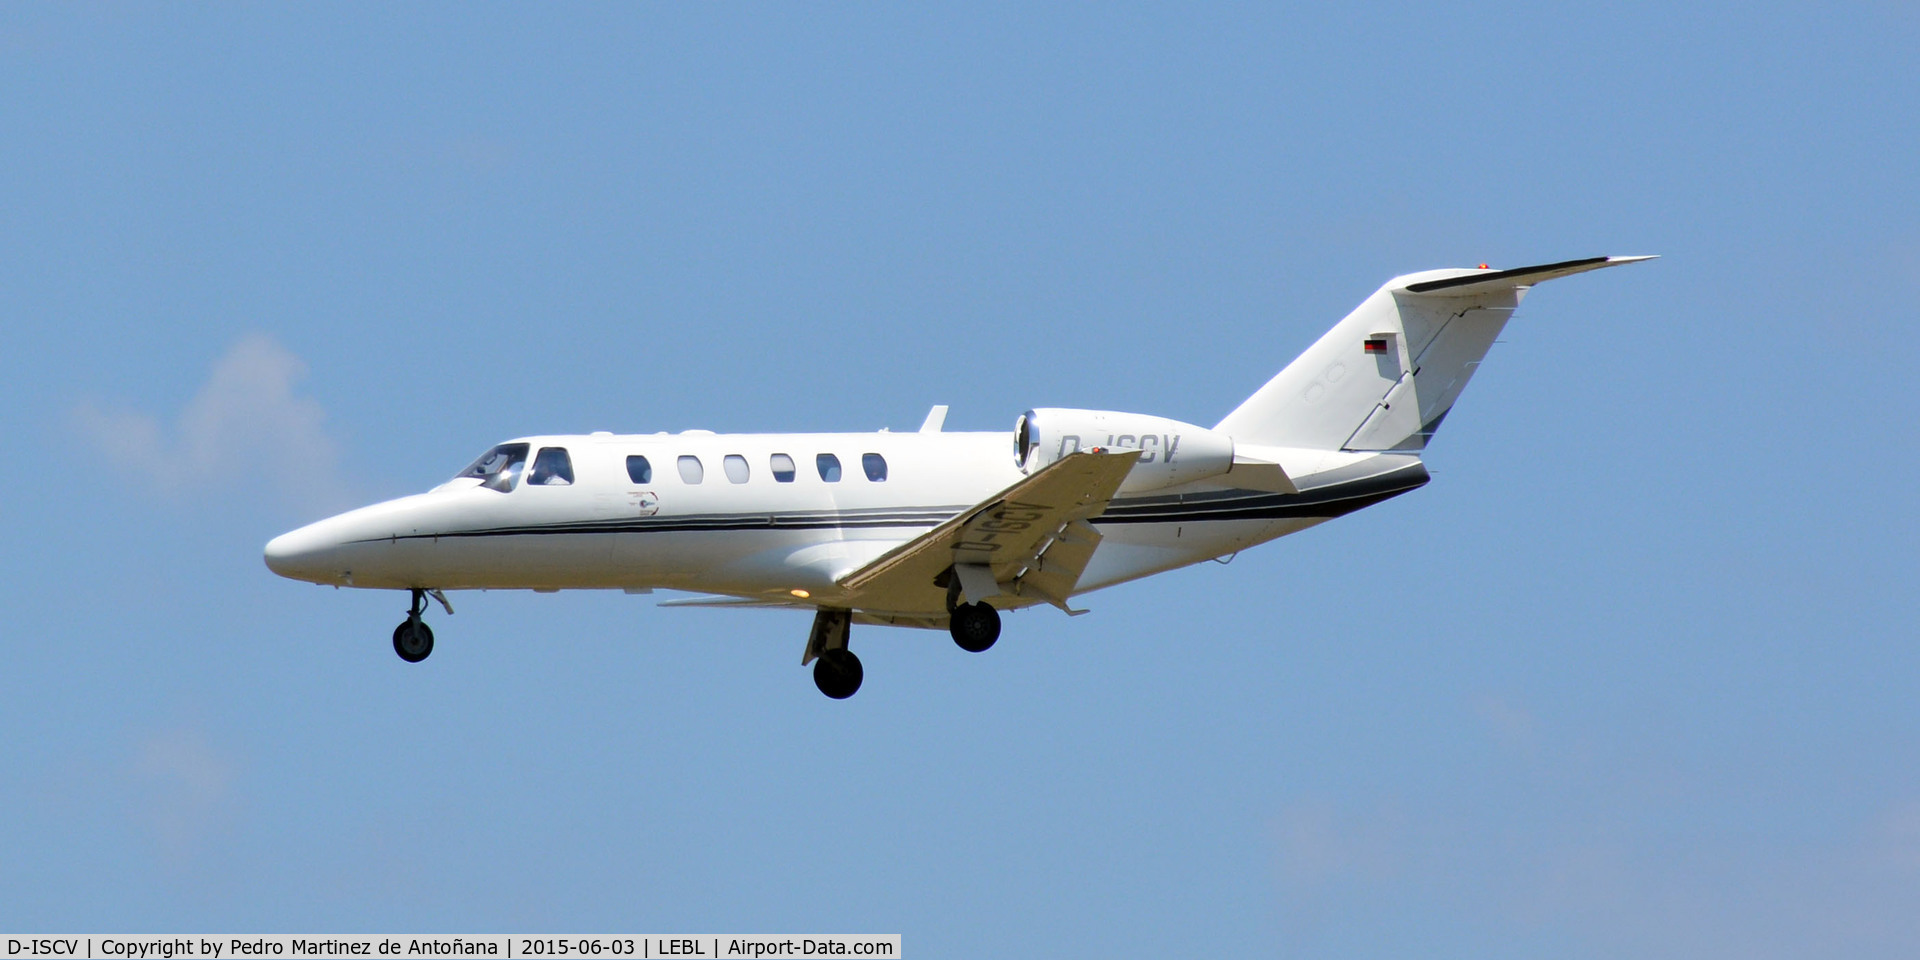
[1226,508]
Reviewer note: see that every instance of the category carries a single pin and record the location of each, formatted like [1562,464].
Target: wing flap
[1053,575]
[1007,536]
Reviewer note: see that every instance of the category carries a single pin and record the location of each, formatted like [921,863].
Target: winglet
[936,419]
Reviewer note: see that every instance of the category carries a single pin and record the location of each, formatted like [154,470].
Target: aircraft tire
[413,640]
[975,626]
[838,673]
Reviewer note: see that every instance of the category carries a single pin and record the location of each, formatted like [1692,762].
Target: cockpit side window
[552,468]
[498,468]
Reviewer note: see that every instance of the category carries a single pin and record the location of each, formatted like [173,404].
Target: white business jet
[935,529]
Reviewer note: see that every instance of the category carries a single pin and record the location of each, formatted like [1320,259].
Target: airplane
[933,529]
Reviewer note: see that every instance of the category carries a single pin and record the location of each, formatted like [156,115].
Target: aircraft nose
[303,554]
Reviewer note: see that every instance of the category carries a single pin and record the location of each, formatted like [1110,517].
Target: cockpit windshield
[500,467]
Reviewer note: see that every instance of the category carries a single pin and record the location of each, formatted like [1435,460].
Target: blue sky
[1634,675]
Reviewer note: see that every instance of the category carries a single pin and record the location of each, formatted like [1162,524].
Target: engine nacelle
[1175,452]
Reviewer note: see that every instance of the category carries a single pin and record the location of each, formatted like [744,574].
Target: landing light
[802,594]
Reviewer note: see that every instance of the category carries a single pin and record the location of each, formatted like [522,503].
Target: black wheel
[837,673]
[975,626]
[413,640]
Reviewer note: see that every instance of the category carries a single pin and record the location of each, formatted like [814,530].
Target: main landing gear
[836,671]
[975,626]
[413,639]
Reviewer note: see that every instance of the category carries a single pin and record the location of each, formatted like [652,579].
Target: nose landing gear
[413,639]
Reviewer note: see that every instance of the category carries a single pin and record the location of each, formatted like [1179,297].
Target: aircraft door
[561,514]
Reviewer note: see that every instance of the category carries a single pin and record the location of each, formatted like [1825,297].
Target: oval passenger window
[782,467]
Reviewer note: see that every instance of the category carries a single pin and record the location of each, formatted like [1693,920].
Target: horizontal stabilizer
[1492,281]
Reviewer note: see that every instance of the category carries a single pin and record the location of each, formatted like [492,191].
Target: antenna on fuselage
[936,419]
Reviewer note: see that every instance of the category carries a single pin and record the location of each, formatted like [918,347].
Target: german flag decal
[1376,345]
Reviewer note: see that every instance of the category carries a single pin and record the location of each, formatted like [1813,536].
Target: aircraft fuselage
[728,523]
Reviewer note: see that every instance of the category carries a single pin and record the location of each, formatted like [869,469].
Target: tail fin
[1384,378]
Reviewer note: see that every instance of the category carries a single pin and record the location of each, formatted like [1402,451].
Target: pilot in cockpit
[553,468]
[499,467]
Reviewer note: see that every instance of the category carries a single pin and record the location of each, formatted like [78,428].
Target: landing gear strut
[413,639]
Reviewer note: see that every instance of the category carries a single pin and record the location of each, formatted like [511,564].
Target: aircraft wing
[737,602]
[1030,540]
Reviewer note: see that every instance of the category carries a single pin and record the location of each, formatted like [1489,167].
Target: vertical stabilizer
[1384,377]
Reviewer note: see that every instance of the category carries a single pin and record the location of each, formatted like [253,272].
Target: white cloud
[183,791]
[1322,844]
[246,424]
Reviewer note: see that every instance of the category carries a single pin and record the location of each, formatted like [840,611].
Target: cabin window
[552,468]
[875,465]
[829,467]
[639,470]
[736,467]
[498,468]
[782,467]
[690,469]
